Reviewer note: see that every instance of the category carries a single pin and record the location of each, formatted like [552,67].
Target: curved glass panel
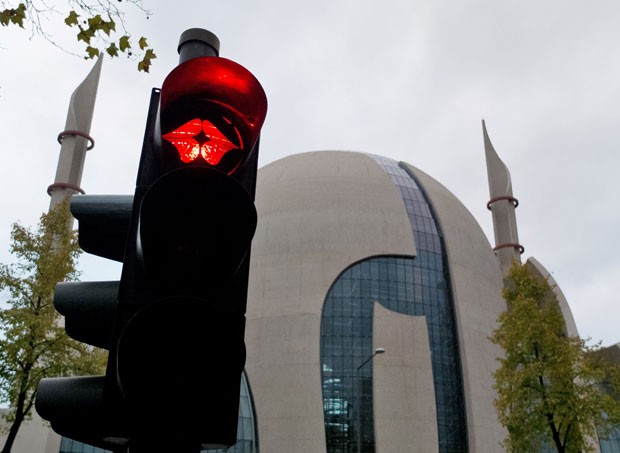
[247,439]
[415,286]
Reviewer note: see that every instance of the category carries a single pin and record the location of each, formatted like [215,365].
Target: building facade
[355,252]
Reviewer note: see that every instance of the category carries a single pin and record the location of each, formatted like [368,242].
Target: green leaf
[92,52]
[112,50]
[124,43]
[107,27]
[13,15]
[95,22]
[85,35]
[145,64]
[72,19]
[96,31]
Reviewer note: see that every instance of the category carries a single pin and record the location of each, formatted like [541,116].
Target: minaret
[75,139]
[502,206]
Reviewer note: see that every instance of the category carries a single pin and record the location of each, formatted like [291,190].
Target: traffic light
[176,322]
[75,406]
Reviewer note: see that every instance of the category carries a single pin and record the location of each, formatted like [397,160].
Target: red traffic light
[198,138]
[212,110]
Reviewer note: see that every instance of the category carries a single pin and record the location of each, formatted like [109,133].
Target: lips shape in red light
[199,138]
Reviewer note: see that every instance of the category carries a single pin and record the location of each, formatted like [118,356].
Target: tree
[95,23]
[33,343]
[552,388]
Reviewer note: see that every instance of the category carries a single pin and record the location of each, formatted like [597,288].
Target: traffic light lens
[198,138]
[196,226]
[212,110]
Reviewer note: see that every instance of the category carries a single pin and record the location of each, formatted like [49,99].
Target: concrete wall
[476,288]
[538,269]
[318,214]
[403,389]
[34,436]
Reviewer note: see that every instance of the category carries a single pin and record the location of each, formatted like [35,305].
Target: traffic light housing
[175,322]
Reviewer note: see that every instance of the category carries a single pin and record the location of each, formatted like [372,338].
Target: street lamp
[359,397]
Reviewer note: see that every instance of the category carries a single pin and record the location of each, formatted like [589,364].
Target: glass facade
[73,446]
[414,286]
[247,437]
[610,442]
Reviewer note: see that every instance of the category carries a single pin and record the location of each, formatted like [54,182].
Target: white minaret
[75,139]
[502,206]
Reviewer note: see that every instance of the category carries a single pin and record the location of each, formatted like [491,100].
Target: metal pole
[359,397]
[197,42]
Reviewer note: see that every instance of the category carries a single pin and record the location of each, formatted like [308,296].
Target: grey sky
[410,80]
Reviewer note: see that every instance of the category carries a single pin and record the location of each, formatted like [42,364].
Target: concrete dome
[319,214]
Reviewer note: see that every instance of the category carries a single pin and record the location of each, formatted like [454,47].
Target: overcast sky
[407,79]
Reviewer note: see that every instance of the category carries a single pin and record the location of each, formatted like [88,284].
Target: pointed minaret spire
[502,206]
[75,139]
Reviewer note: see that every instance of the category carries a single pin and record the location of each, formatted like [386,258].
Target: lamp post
[359,397]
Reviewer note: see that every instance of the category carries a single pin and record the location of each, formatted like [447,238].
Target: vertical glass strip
[415,286]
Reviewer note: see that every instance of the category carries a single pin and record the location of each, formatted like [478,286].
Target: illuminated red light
[212,110]
[200,138]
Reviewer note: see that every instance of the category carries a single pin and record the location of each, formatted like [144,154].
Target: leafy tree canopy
[33,343]
[98,24]
[552,389]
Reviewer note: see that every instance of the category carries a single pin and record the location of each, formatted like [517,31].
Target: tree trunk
[20,415]
[556,435]
[10,438]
